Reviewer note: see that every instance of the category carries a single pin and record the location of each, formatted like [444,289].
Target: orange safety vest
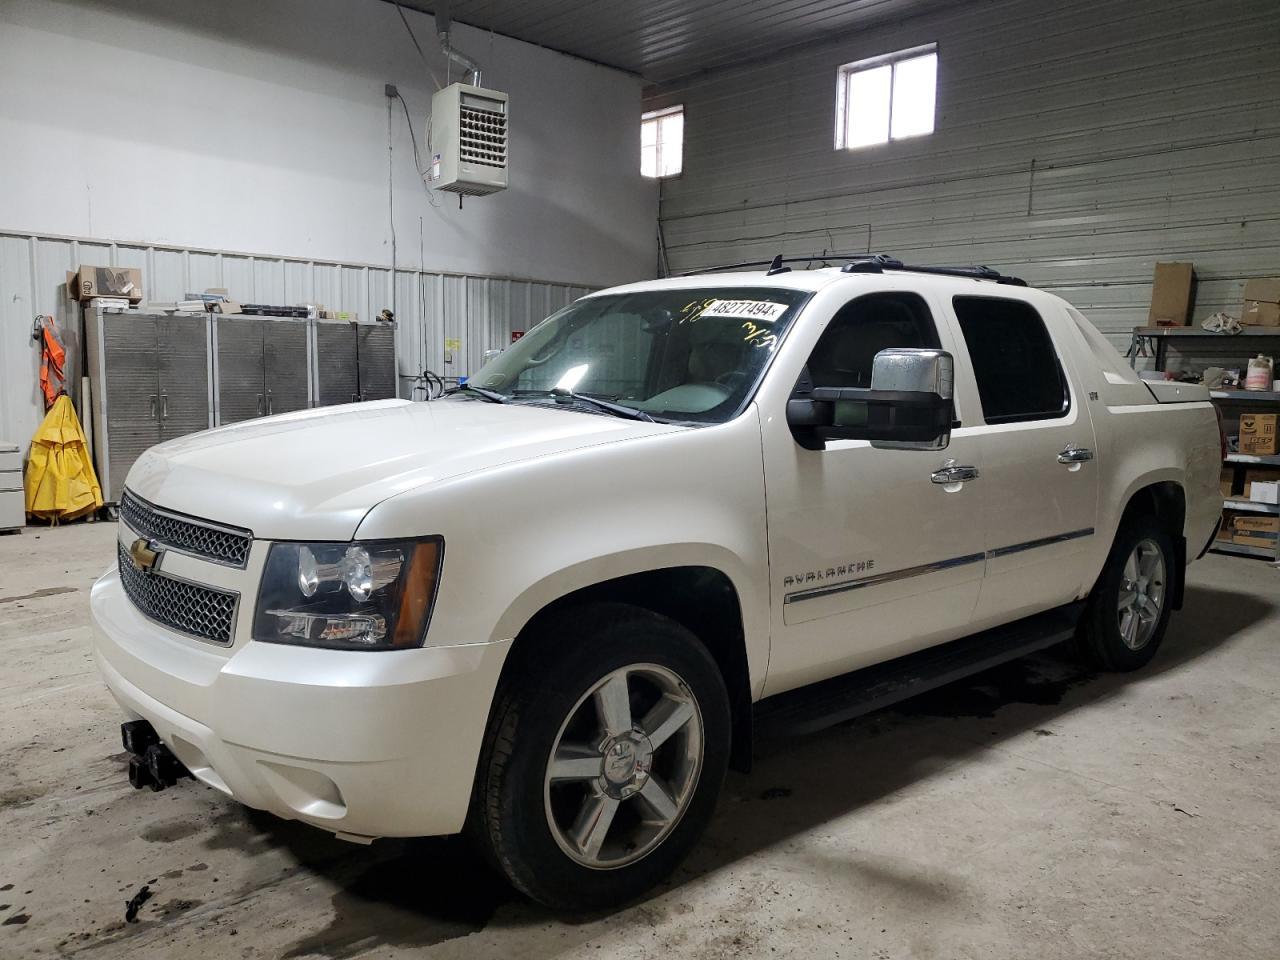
[52,357]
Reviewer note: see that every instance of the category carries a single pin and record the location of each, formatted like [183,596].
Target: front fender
[520,536]
[589,572]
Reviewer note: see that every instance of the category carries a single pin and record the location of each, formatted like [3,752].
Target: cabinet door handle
[954,473]
[270,404]
[259,404]
[153,406]
[1073,454]
[164,406]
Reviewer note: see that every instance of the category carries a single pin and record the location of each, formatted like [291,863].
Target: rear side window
[1019,376]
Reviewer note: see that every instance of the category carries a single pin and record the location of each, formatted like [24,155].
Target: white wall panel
[264,127]
[481,312]
[1076,145]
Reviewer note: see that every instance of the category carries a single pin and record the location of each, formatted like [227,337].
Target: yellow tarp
[61,484]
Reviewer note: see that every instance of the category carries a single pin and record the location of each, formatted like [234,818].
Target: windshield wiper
[491,395]
[617,409]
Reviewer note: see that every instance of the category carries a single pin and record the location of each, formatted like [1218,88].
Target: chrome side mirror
[924,372]
[908,406]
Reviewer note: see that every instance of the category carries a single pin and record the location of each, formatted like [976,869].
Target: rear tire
[605,755]
[1128,609]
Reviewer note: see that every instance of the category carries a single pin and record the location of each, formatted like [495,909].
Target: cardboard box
[1171,295]
[1263,288]
[1227,480]
[1252,531]
[1260,313]
[89,282]
[1258,433]
[1262,302]
[1258,475]
[1265,491]
[1226,530]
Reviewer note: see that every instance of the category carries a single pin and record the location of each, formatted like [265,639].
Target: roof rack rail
[882,263]
[776,264]
[866,263]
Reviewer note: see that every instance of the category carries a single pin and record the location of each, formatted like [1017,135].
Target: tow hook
[151,763]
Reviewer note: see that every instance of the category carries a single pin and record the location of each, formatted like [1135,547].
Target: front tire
[1128,610]
[605,755]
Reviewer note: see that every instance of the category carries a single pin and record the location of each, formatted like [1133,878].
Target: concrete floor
[1034,811]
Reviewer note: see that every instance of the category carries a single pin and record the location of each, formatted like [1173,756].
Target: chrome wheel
[1142,593]
[624,766]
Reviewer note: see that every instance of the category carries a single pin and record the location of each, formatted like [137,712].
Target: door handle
[1073,454]
[952,472]
[270,404]
[259,404]
[153,406]
[164,406]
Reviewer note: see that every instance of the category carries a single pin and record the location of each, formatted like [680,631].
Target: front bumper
[366,744]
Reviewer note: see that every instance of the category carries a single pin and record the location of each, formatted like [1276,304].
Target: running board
[842,698]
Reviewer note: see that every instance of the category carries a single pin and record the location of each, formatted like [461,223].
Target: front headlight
[375,595]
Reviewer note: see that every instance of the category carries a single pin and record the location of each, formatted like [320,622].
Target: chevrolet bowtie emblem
[145,554]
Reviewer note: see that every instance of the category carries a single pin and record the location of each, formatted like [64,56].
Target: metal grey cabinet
[354,361]
[336,363]
[156,376]
[182,355]
[13,502]
[151,382]
[376,360]
[286,345]
[263,367]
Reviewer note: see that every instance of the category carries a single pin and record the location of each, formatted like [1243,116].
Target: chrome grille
[201,612]
[229,545]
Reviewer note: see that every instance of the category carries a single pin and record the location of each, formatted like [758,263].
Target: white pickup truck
[551,608]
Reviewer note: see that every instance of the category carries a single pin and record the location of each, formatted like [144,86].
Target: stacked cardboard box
[88,283]
[1265,491]
[1258,475]
[1258,434]
[1255,531]
[1262,302]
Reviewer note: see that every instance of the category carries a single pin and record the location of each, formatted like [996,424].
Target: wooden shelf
[1241,550]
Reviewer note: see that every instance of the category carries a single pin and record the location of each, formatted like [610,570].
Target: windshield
[690,354]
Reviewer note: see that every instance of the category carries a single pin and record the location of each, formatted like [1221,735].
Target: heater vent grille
[482,137]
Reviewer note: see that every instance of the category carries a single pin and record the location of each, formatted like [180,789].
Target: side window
[861,329]
[1018,373]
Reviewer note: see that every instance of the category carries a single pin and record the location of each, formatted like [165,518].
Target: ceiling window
[886,98]
[662,142]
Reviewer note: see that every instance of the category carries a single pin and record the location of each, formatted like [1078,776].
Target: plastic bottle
[1259,375]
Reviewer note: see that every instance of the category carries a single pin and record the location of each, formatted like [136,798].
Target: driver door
[870,556]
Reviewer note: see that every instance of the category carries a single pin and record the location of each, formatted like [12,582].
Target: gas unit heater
[468,140]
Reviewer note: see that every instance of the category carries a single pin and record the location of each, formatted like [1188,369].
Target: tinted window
[864,327]
[1019,377]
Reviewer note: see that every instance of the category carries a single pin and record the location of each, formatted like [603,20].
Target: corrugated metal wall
[481,312]
[1077,143]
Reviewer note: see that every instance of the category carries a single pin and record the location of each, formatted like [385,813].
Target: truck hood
[314,474]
